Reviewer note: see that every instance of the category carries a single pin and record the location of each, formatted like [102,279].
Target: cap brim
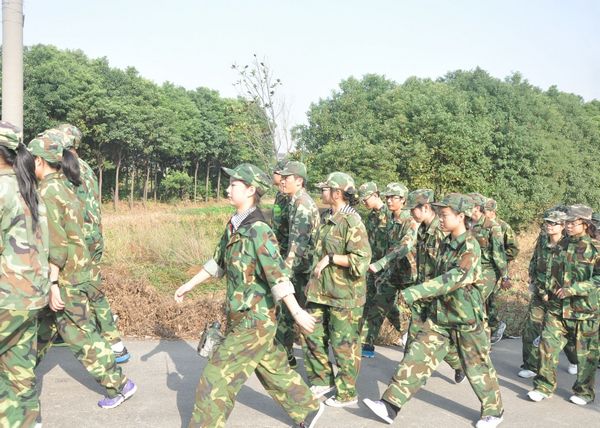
[322,184]
[439,204]
[231,173]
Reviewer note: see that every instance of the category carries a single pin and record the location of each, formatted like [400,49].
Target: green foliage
[177,184]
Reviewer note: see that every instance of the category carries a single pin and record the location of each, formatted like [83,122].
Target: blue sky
[313,45]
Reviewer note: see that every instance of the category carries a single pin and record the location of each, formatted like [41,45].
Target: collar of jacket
[458,241]
[252,218]
[296,195]
[335,218]
[53,176]
[7,171]
[433,226]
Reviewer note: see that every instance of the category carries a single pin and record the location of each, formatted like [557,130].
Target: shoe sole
[536,401]
[353,403]
[527,376]
[317,416]
[123,359]
[576,402]
[124,397]
[323,393]
[368,404]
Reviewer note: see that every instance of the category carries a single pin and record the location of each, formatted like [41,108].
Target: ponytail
[351,197]
[70,167]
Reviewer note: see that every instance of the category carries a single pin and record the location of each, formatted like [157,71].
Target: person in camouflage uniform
[24,281]
[376,223]
[547,243]
[455,315]
[397,267]
[303,218]
[88,193]
[429,240]
[280,212]
[571,291]
[69,311]
[335,293]
[257,278]
[493,262]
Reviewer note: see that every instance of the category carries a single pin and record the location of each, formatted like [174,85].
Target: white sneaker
[536,341]
[379,409]
[536,395]
[333,402]
[572,369]
[404,339]
[577,400]
[489,422]
[321,390]
[526,374]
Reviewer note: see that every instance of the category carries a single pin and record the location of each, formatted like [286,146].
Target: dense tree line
[465,132]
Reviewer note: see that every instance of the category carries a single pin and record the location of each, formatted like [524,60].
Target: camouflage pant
[418,313]
[249,347]
[532,330]
[427,351]
[285,321]
[371,292]
[487,285]
[384,305]
[555,335]
[19,400]
[77,326]
[99,304]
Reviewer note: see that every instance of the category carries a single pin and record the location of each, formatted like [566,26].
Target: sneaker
[311,419]
[536,341]
[333,402]
[572,369]
[578,400]
[292,361]
[368,351]
[526,374]
[378,407]
[321,390]
[489,422]
[122,357]
[111,402]
[459,376]
[497,335]
[536,395]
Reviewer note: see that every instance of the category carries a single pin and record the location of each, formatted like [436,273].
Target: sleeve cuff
[282,289]
[213,268]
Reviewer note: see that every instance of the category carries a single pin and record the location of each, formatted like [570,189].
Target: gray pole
[12,62]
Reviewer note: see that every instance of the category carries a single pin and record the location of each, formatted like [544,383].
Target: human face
[553,228]
[276,179]
[371,201]
[575,227]
[490,214]
[449,220]
[477,213]
[326,195]
[291,184]
[420,213]
[394,203]
[239,193]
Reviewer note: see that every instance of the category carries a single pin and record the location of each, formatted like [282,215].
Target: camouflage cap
[418,197]
[555,216]
[366,190]
[478,199]
[339,180]
[294,168]
[279,166]
[73,135]
[251,175]
[48,146]
[396,189]
[490,205]
[10,135]
[596,218]
[579,211]
[458,202]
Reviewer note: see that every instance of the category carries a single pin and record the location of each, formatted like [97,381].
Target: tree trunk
[116,193]
[207,180]
[196,180]
[155,185]
[100,177]
[131,188]
[146,181]
[218,184]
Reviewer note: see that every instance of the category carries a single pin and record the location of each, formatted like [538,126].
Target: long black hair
[351,197]
[70,167]
[23,164]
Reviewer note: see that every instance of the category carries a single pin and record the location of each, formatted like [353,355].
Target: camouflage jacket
[538,265]
[377,228]
[343,287]
[399,261]
[89,195]
[255,272]
[280,220]
[458,302]
[23,253]
[491,241]
[304,220]
[574,266]
[511,246]
[68,249]
[429,242]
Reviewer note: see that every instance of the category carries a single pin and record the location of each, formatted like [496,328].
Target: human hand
[561,293]
[372,268]
[305,321]
[323,263]
[56,302]
[182,291]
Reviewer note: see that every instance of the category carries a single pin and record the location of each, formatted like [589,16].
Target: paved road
[167,373]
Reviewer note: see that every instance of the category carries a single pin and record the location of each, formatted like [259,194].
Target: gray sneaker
[497,335]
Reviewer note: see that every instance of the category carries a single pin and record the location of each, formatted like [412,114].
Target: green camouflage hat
[418,197]
[579,211]
[490,205]
[339,180]
[294,168]
[366,190]
[279,166]
[48,146]
[458,202]
[396,189]
[251,175]
[478,199]
[596,218]
[556,216]
[10,135]
[73,135]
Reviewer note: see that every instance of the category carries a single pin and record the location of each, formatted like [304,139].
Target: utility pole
[12,62]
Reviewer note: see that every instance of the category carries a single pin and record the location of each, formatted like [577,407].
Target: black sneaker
[311,419]
[459,376]
[292,361]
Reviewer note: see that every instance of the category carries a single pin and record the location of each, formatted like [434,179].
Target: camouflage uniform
[399,271]
[511,246]
[23,292]
[256,279]
[455,315]
[575,269]
[76,323]
[337,297]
